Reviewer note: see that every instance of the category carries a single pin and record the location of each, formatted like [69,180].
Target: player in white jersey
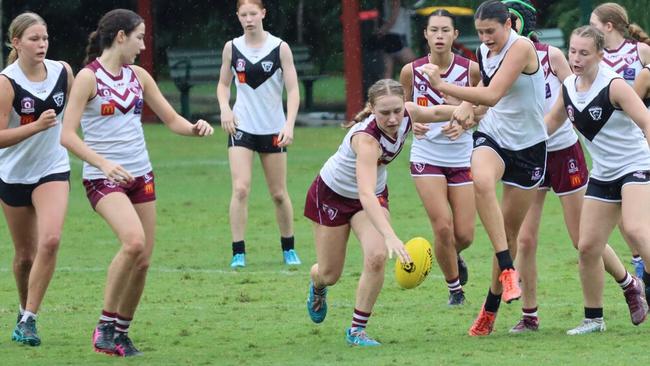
[440,159]
[263,65]
[606,111]
[508,146]
[626,56]
[566,174]
[34,167]
[107,100]
[350,193]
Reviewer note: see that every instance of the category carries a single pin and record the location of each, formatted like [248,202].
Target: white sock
[26,315]
[21,309]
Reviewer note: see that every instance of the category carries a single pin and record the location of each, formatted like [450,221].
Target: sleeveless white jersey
[564,136]
[259,82]
[616,145]
[40,154]
[111,122]
[517,120]
[436,148]
[624,60]
[340,170]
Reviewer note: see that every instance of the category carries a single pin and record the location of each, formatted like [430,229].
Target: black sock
[593,313]
[287,243]
[646,278]
[505,261]
[492,302]
[238,247]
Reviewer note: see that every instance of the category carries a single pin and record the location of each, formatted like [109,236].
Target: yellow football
[412,274]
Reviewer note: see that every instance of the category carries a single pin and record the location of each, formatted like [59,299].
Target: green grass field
[197,311]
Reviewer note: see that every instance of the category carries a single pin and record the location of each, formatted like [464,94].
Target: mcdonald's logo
[107,109]
[241,77]
[423,101]
[148,188]
[575,180]
[25,119]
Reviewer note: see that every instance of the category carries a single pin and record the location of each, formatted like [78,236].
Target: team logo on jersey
[570,113]
[267,66]
[59,98]
[27,118]
[572,165]
[629,59]
[479,141]
[419,167]
[422,87]
[537,174]
[629,74]
[107,109]
[240,65]
[423,101]
[134,87]
[26,105]
[139,103]
[330,211]
[103,92]
[596,113]
[640,174]
[548,90]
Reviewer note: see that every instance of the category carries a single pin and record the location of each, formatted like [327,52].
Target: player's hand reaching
[433,73]
[228,121]
[116,173]
[285,137]
[46,120]
[202,128]
[452,130]
[464,115]
[396,246]
[420,130]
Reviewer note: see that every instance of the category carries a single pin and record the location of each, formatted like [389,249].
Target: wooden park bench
[190,67]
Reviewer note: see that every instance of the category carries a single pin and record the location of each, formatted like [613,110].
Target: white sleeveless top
[40,154]
[111,122]
[516,122]
[564,136]
[625,60]
[259,81]
[616,144]
[340,171]
[436,148]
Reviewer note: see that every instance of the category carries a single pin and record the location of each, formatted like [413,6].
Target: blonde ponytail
[379,89]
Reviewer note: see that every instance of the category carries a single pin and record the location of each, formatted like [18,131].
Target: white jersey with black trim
[616,145]
[624,60]
[436,148]
[340,170]
[111,122]
[259,80]
[40,154]
[517,120]
[564,136]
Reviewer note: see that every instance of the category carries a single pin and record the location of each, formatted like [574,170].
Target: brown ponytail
[636,32]
[109,25]
[379,89]
[17,27]
[92,49]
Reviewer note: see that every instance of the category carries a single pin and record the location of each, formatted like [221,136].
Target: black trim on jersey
[646,100]
[600,107]
[41,105]
[484,77]
[256,74]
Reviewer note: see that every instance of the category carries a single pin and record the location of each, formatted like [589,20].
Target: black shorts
[259,143]
[393,42]
[20,195]
[523,168]
[610,191]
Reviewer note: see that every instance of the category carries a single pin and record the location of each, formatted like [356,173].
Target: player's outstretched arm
[161,107]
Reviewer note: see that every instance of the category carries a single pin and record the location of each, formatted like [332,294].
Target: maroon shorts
[454,176]
[326,207]
[566,170]
[141,190]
